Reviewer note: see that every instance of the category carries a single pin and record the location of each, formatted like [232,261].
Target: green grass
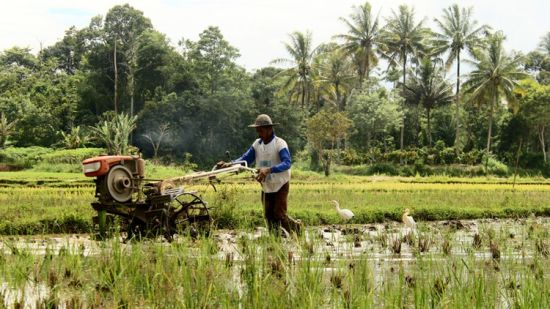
[44,202]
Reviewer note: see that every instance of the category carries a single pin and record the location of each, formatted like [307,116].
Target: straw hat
[262,120]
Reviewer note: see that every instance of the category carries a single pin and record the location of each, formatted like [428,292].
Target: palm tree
[458,32]
[334,75]
[298,76]
[7,128]
[544,45]
[495,73]
[429,89]
[362,39]
[404,37]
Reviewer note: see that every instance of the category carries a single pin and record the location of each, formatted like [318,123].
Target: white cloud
[256,27]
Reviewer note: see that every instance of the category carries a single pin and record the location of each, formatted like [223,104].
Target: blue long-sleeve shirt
[284,154]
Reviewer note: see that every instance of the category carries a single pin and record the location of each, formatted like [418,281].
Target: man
[272,158]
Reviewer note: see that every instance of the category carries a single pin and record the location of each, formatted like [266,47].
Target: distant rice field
[33,202]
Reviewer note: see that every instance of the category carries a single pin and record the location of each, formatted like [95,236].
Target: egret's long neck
[337,206]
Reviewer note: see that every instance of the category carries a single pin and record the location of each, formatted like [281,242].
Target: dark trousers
[275,208]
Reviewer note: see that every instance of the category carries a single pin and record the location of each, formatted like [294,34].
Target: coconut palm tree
[7,128]
[363,37]
[298,76]
[334,75]
[458,32]
[404,37]
[495,74]
[429,89]
[544,45]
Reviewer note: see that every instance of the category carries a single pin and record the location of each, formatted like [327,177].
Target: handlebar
[175,182]
[236,166]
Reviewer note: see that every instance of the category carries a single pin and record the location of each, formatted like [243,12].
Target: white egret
[345,214]
[408,220]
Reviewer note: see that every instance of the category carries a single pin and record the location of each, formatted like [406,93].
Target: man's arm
[249,156]
[285,164]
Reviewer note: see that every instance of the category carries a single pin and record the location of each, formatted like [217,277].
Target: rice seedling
[424,242]
[396,245]
[382,238]
[542,247]
[409,238]
[495,250]
[267,270]
[477,241]
[318,270]
[447,244]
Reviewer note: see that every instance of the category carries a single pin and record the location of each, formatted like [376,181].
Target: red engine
[118,177]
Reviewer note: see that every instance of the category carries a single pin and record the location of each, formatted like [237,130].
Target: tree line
[386,88]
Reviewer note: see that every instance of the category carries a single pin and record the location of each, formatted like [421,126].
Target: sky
[258,28]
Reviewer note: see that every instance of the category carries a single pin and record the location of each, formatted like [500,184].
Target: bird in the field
[408,220]
[345,214]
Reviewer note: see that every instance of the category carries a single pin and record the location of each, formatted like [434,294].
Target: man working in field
[272,158]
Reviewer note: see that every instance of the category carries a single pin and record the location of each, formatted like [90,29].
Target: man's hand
[222,164]
[262,174]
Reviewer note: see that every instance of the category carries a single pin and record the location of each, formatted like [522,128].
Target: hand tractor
[149,207]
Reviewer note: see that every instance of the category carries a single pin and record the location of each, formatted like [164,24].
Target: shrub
[24,157]
[114,132]
[447,155]
[74,139]
[373,155]
[405,156]
[362,170]
[422,154]
[422,169]
[383,168]
[439,145]
[472,157]
[407,171]
[71,156]
[431,158]
[410,156]
[350,157]
[393,156]
[494,166]
[59,160]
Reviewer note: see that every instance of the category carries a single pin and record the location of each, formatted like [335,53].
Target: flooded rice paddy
[384,261]
[338,241]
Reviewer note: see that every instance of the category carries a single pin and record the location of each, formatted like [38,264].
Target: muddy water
[338,247]
[28,296]
[340,241]
[385,245]
[374,241]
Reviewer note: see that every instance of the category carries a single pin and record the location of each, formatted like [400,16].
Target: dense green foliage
[389,77]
